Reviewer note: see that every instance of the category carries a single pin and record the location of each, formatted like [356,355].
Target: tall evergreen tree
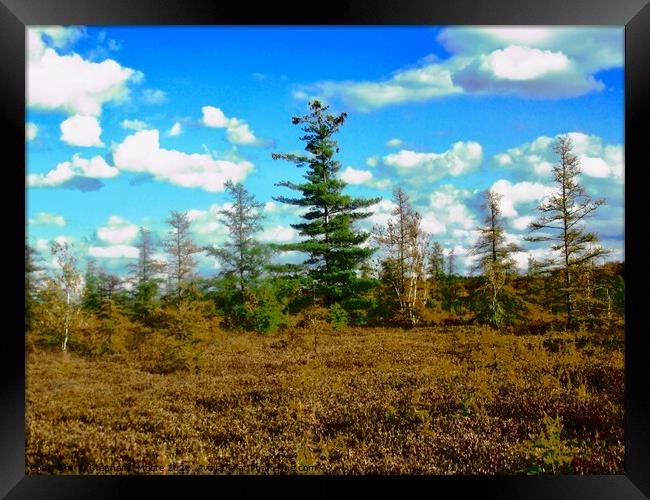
[333,243]
[563,215]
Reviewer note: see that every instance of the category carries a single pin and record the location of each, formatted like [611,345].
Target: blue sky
[125,124]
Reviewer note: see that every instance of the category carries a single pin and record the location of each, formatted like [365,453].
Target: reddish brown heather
[454,400]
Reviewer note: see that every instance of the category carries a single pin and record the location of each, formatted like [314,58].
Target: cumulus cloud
[418,84]
[237,130]
[44,218]
[394,143]
[70,83]
[521,223]
[279,234]
[536,158]
[602,176]
[533,62]
[42,245]
[373,161]
[519,193]
[274,208]
[382,212]
[207,226]
[449,204]
[31,131]
[113,252]
[363,177]
[80,130]
[432,225]
[445,214]
[117,231]
[141,153]
[66,172]
[463,157]
[154,96]
[354,176]
[176,129]
[524,63]
[214,117]
[134,125]
[60,37]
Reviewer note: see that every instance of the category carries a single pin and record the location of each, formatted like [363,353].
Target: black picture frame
[15,15]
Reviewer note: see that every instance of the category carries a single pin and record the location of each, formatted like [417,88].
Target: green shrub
[547,451]
[338,317]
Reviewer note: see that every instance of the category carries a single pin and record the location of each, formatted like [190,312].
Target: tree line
[392,275]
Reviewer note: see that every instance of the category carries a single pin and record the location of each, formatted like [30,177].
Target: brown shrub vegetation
[444,400]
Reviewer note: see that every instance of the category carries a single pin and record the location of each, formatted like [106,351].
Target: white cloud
[373,161]
[31,131]
[80,130]
[524,63]
[394,143]
[274,208]
[538,254]
[176,130]
[59,37]
[448,204]
[42,245]
[522,222]
[430,224]
[354,176]
[44,218]
[96,168]
[519,193]
[538,62]
[214,117]
[597,159]
[70,83]
[134,125]
[418,84]
[541,62]
[278,234]
[207,226]
[237,130]
[154,96]
[114,252]
[463,157]
[141,153]
[382,212]
[446,216]
[117,231]
[595,167]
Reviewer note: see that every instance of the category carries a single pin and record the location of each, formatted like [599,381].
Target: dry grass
[455,400]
